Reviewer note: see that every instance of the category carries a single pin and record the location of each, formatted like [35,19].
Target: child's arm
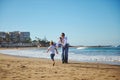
[47,50]
[56,50]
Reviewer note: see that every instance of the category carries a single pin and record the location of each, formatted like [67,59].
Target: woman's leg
[63,55]
[66,53]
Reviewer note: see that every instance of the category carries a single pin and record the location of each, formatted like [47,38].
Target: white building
[15,37]
[24,36]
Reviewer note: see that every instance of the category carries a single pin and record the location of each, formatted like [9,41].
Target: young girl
[51,50]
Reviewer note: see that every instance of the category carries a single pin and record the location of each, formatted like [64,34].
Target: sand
[19,68]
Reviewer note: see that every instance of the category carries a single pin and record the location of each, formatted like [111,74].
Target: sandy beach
[21,68]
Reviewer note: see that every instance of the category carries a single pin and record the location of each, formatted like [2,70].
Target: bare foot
[53,63]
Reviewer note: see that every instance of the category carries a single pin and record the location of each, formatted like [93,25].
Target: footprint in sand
[55,72]
[8,65]
[23,66]
[42,76]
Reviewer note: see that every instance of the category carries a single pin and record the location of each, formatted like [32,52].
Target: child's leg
[52,57]
[53,63]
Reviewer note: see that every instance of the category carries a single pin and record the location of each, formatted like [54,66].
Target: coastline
[109,60]
[21,68]
[27,52]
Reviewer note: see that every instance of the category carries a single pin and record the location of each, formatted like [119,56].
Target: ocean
[106,55]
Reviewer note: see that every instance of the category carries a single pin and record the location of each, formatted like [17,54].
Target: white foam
[28,53]
[81,47]
[72,56]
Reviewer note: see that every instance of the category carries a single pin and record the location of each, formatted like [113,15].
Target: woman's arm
[64,41]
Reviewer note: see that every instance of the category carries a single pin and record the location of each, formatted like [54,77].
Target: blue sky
[85,22]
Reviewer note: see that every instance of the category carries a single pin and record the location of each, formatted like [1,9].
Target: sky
[85,22]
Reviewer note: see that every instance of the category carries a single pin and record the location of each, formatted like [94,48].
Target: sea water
[108,55]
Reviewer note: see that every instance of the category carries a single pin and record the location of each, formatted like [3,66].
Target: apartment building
[14,37]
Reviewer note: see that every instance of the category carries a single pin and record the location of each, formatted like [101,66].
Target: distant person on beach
[65,47]
[51,50]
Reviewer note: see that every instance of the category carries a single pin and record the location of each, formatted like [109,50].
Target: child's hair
[51,43]
[60,39]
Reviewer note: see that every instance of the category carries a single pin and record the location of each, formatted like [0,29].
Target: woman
[65,47]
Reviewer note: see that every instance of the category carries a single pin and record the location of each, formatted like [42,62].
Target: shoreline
[2,48]
[91,62]
[85,61]
[21,68]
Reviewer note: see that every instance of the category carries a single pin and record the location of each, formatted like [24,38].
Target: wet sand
[20,68]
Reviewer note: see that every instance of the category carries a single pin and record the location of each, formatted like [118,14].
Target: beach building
[14,37]
[2,36]
[24,36]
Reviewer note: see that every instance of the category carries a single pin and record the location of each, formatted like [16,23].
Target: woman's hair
[63,34]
